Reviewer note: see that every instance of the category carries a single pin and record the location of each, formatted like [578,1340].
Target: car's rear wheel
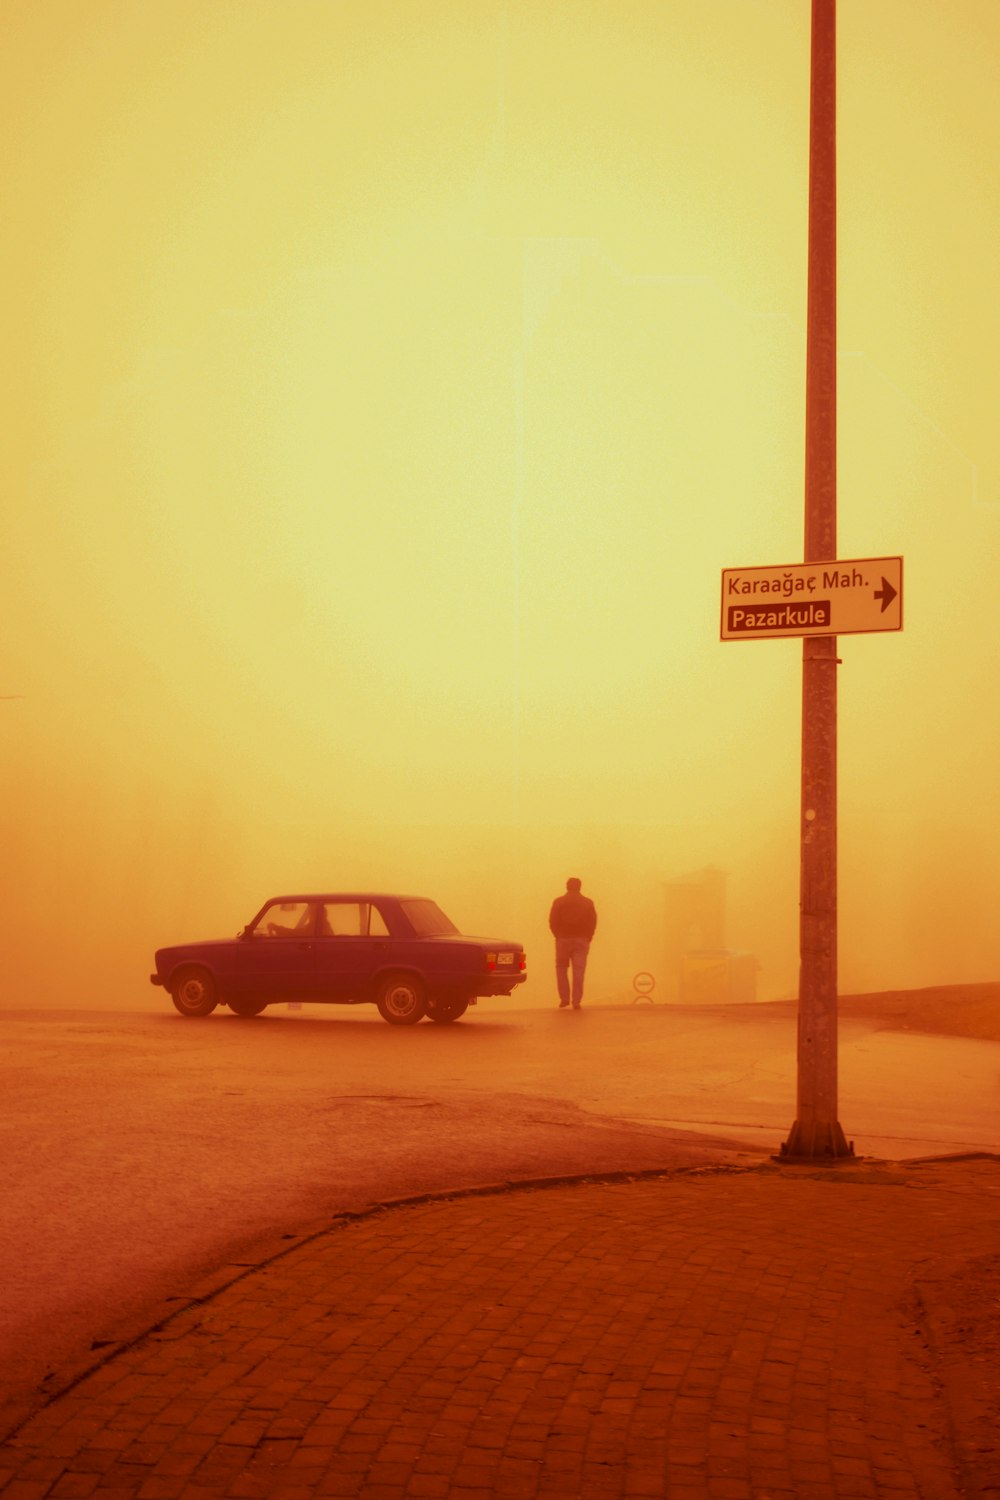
[446,1010]
[244,1006]
[193,992]
[401,1000]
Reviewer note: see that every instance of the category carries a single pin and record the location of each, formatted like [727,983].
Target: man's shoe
[577,1004]
[563,1004]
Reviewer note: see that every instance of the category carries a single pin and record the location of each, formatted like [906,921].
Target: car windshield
[427,919]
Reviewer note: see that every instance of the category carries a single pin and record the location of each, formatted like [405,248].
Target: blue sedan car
[400,953]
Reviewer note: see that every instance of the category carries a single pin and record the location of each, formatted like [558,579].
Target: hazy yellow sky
[386,386]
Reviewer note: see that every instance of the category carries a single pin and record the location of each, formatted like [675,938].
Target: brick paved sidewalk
[726,1335]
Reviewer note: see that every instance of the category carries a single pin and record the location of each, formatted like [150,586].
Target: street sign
[827,598]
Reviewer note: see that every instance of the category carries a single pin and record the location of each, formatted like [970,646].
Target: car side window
[351,919]
[342,919]
[286,919]
[376,923]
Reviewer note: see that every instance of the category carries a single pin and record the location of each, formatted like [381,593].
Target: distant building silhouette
[699,969]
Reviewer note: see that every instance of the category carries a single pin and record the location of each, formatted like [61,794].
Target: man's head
[573,885]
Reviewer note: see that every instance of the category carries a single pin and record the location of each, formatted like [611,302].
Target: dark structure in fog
[699,968]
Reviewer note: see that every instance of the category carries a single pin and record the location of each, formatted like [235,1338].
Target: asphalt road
[140,1151]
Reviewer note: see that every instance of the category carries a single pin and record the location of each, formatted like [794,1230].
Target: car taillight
[491,962]
[522,962]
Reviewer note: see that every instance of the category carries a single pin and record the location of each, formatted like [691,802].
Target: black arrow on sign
[886,593]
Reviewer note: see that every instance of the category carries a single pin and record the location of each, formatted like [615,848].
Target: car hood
[204,946]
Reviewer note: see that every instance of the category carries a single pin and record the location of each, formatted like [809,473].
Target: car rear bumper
[500,984]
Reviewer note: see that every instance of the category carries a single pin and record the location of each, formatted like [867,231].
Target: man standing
[572,921]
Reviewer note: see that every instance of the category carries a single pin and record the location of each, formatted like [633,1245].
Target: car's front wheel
[245,1006]
[401,1000]
[193,992]
[446,1010]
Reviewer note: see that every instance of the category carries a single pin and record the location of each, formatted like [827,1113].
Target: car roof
[347,896]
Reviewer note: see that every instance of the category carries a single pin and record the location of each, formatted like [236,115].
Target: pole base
[816,1143]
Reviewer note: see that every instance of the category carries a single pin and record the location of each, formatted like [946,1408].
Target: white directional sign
[827,598]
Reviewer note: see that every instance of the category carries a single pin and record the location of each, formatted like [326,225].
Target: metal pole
[816,1133]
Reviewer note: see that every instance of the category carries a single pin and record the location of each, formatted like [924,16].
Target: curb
[125,1335]
[157,1319]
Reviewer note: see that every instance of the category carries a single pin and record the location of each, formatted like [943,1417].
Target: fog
[387,389]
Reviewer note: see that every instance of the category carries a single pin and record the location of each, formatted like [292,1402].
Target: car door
[351,945]
[276,958]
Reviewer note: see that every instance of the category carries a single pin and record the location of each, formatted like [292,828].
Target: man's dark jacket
[573,916]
